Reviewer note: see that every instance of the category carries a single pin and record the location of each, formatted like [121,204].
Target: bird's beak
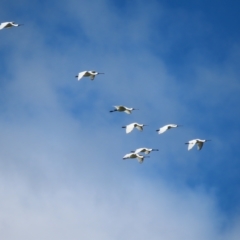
[21,24]
[76,76]
[100,73]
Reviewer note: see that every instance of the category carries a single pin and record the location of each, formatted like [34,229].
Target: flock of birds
[129,128]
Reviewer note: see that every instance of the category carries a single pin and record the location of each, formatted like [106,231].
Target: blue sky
[61,170]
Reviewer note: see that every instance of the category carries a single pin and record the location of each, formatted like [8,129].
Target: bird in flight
[145,150]
[123,109]
[167,127]
[199,143]
[140,158]
[131,126]
[90,74]
[8,25]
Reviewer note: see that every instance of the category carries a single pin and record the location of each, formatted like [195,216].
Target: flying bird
[167,127]
[123,109]
[199,143]
[90,74]
[145,150]
[8,25]
[131,126]
[140,158]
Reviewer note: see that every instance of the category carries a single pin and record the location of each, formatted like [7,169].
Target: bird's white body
[131,126]
[193,142]
[90,74]
[140,158]
[123,109]
[145,150]
[166,127]
[8,25]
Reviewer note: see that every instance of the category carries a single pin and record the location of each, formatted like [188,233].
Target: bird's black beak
[76,76]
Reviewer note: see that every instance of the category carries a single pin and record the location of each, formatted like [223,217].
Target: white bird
[199,143]
[131,126]
[123,109]
[90,74]
[8,25]
[167,127]
[145,150]
[140,158]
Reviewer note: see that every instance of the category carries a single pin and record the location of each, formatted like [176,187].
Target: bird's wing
[199,145]
[163,129]
[140,128]
[129,128]
[81,75]
[191,144]
[128,155]
[127,111]
[5,25]
[139,150]
[92,77]
[140,159]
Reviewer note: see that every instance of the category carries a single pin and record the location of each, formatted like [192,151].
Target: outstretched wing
[191,144]
[139,150]
[5,25]
[140,159]
[128,155]
[127,111]
[163,129]
[129,128]
[140,128]
[199,145]
[81,75]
